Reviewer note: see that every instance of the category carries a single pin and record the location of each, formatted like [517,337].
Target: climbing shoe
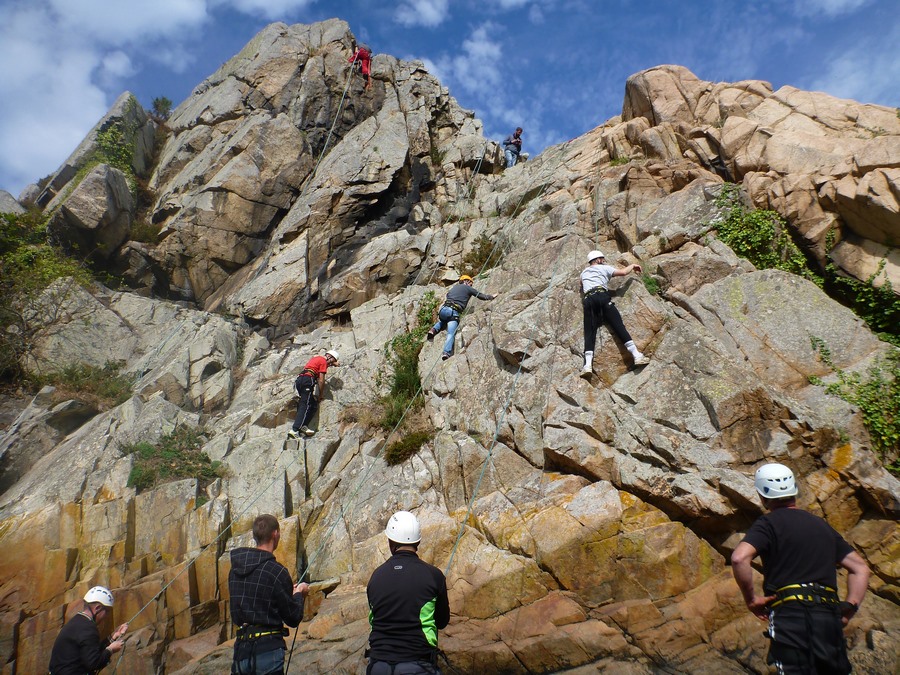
[293,433]
[306,431]
[641,360]
[586,372]
[430,335]
[445,356]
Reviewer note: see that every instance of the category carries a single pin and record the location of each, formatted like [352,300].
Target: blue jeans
[447,318]
[511,157]
[266,663]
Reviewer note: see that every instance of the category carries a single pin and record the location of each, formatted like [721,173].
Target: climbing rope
[344,504]
[203,549]
[309,179]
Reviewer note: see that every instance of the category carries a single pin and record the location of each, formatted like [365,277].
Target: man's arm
[442,606]
[289,599]
[741,558]
[625,271]
[857,583]
[321,386]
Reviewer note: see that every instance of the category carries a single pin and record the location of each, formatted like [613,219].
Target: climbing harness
[811,592]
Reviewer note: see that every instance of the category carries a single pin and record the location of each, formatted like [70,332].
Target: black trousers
[807,639]
[309,404]
[598,307]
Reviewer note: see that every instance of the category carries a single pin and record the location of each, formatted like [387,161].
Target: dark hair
[518,128]
[264,527]
[776,502]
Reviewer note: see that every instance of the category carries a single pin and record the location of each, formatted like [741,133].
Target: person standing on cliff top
[599,307]
[78,649]
[800,553]
[512,146]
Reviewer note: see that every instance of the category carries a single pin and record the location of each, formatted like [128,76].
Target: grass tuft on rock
[174,456]
[101,386]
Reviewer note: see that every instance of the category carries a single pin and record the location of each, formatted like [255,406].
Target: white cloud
[62,63]
[477,67]
[429,13]
[830,8]
[512,4]
[123,21]
[117,64]
[272,10]
[870,72]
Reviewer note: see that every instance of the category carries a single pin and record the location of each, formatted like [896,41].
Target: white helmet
[403,528]
[333,354]
[774,481]
[99,594]
[593,255]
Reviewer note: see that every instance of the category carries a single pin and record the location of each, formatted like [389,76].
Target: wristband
[848,605]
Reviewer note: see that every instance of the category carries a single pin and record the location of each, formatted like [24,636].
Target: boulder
[95,219]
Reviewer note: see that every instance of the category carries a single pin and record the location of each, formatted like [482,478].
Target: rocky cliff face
[595,517]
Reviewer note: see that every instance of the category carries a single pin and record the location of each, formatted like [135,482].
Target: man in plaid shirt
[263,599]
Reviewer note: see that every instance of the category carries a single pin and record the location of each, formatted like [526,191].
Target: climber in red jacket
[364,55]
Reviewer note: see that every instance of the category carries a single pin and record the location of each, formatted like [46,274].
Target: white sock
[588,359]
[631,347]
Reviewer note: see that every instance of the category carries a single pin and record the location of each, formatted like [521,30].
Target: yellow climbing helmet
[465,277]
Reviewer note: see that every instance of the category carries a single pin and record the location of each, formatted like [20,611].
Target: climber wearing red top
[364,55]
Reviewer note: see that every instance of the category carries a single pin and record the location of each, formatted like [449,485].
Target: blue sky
[555,67]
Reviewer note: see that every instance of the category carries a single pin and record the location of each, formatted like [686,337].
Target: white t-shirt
[596,275]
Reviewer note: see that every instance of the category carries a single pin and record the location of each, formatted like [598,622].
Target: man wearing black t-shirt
[800,553]
[407,605]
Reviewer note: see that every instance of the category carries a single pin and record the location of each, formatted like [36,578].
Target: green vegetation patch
[104,387]
[876,394]
[484,254]
[407,446]
[174,456]
[400,411]
[651,283]
[402,356]
[28,265]
[878,306]
[759,235]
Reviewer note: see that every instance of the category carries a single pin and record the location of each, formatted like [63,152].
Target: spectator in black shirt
[800,553]
[262,601]
[407,605]
[78,649]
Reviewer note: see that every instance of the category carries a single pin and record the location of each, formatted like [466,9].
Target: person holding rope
[310,386]
[800,553]
[407,605]
[78,649]
[364,55]
[599,307]
[263,599]
[512,147]
[453,307]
